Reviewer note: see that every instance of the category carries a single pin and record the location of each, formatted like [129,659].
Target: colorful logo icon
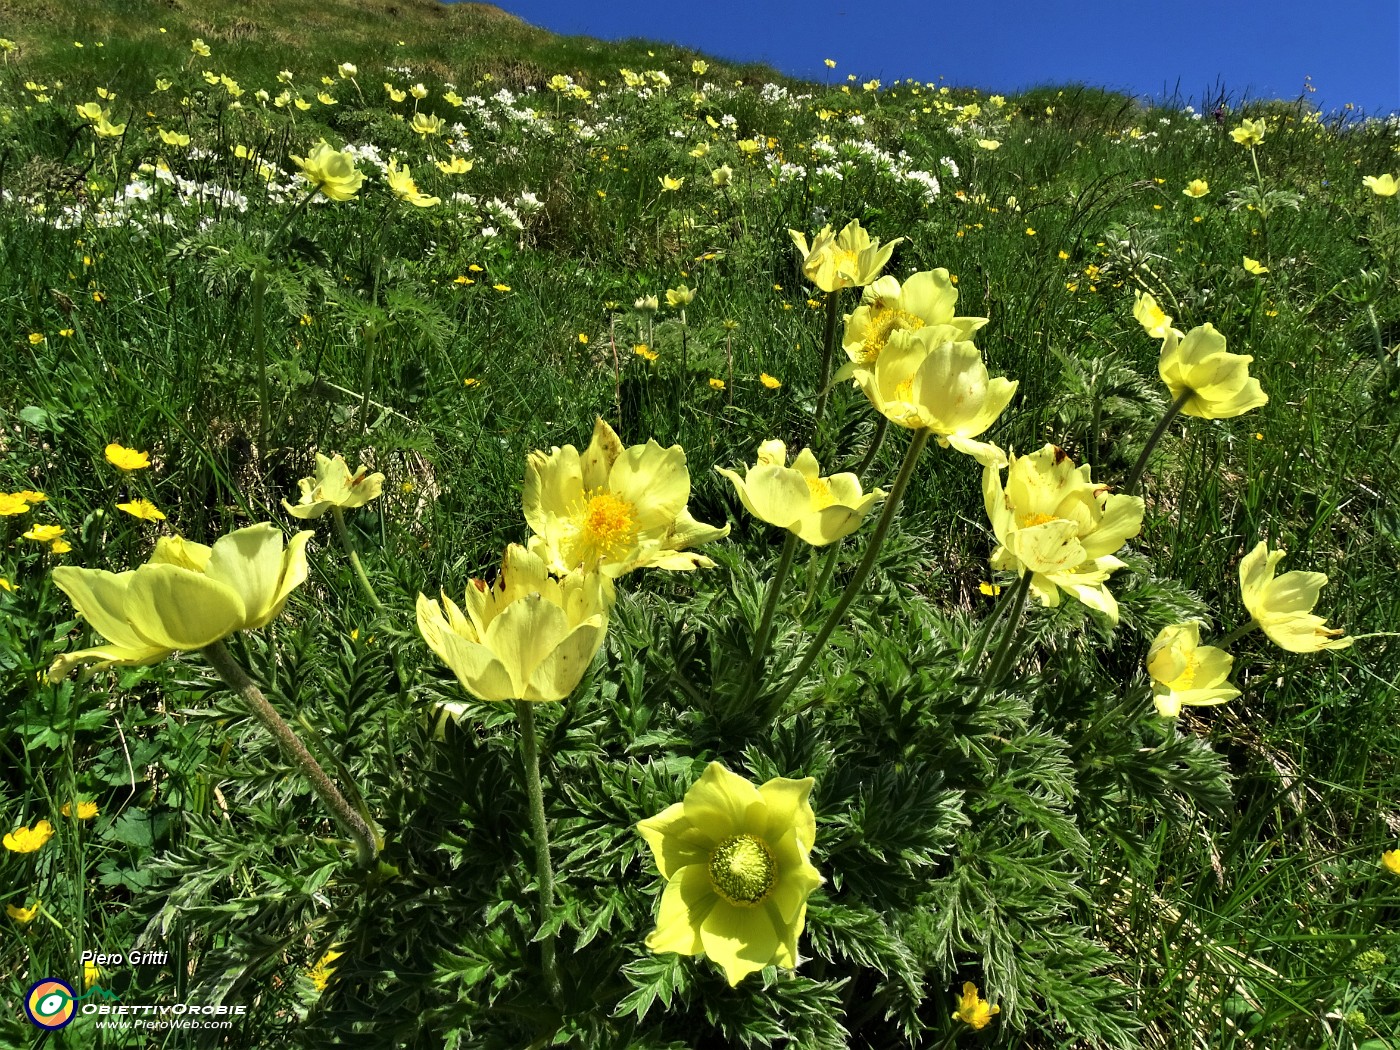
[49,1003]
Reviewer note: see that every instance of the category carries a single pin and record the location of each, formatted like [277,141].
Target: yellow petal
[179,609]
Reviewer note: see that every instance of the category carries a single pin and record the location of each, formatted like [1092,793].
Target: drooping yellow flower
[849,259]
[143,509]
[200,48]
[1218,382]
[27,839]
[797,498]
[525,637]
[334,486]
[86,810]
[736,860]
[973,1009]
[930,378]
[403,187]
[126,458]
[347,70]
[23,916]
[1381,185]
[1390,860]
[613,509]
[886,306]
[320,974]
[1185,672]
[395,95]
[1282,606]
[173,138]
[1254,266]
[722,175]
[331,171]
[1197,188]
[1250,132]
[187,596]
[1051,520]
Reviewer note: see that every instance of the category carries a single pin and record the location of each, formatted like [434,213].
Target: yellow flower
[12,503]
[668,183]
[60,546]
[91,974]
[334,486]
[330,171]
[931,378]
[1381,185]
[1250,133]
[525,637]
[43,533]
[320,974]
[613,509]
[186,596]
[86,810]
[304,105]
[199,47]
[23,916]
[173,138]
[645,353]
[699,67]
[1255,267]
[1197,188]
[990,590]
[326,99]
[927,298]
[736,860]
[1051,520]
[27,839]
[849,259]
[830,63]
[1154,321]
[646,304]
[682,296]
[126,458]
[722,175]
[346,70]
[989,144]
[418,91]
[143,509]
[771,382]
[1183,671]
[1390,860]
[425,124]
[403,187]
[817,510]
[6,585]
[35,338]
[716,384]
[1282,606]
[973,1009]
[454,166]
[395,95]
[1218,382]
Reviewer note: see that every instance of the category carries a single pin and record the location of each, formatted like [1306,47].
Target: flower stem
[872,551]
[985,634]
[817,584]
[367,839]
[1236,634]
[833,314]
[875,442]
[343,535]
[1006,648]
[765,623]
[544,871]
[260,355]
[1131,486]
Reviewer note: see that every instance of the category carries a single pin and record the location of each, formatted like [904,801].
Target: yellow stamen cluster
[608,523]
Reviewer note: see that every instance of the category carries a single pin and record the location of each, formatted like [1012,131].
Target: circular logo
[49,1003]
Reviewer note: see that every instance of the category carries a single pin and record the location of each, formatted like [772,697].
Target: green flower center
[743,870]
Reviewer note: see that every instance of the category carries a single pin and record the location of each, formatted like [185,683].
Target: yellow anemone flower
[525,637]
[1381,185]
[735,858]
[797,498]
[425,124]
[682,296]
[27,839]
[669,183]
[1390,860]
[1185,672]
[932,379]
[613,509]
[1197,188]
[1051,520]
[405,189]
[886,306]
[973,1009]
[187,596]
[1282,606]
[1154,321]
[334,486]
[1218,382]
[395,95]
[23,916]
[331,171]
[849,259]
[454,166]
[1250,132]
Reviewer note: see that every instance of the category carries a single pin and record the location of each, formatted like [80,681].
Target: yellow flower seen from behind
[613,509]
[736,860]
[817,510]
[27,839]
[1215,383]
[1381,185]
[1185,672]
[1281,606]
[1254,266]
[1250,132]
[973,1009]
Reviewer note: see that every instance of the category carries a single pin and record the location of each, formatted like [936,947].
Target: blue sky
[1143,47]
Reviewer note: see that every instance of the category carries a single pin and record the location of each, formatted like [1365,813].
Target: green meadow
[385,661]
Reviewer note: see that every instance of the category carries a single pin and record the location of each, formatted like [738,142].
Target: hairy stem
[544,871]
